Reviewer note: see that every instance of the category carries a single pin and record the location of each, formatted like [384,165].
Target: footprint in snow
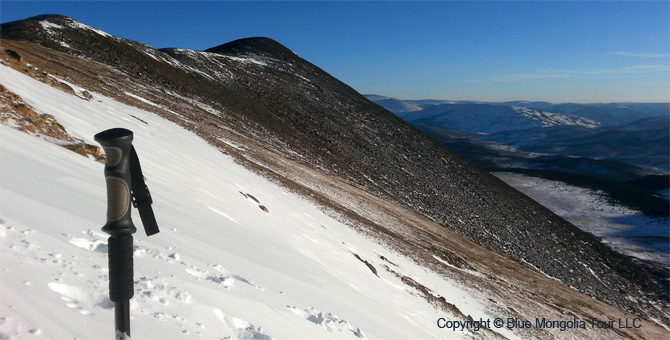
[155,290]
[327,320]
[14,328]
[93,241]
[248,281]
[241,329]
[197,273]
[225,279]
[82,300]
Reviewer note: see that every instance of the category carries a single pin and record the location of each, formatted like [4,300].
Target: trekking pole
[125,185]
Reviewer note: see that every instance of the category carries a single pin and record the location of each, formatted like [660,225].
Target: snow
[146,101]
[471,272]
[76,24]
[626,230]
[232,144]
[49,25]
[247,60]
[221,267]
[159,56]
[486,118]
[64,44]
[76,88]
[199,55]
[548,119]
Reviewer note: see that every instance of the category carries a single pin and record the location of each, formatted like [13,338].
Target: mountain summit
[255,45]
[293,122]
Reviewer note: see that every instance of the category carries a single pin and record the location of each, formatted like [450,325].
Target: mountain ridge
[488,118]
[609,114]
[636,133]
[346,136]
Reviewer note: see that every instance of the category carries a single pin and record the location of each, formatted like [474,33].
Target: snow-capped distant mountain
[615,114]
[283,117]
[606,114]
[488,119]
[636,135]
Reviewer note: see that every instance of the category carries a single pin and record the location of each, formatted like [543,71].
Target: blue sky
[567,51]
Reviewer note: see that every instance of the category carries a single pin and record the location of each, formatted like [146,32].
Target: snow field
[221,267]
[590,211]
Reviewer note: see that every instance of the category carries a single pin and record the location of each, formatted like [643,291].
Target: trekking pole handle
[116,144]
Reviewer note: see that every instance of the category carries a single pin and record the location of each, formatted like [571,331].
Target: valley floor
[627,231]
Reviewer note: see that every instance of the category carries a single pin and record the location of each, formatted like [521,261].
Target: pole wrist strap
[140,195]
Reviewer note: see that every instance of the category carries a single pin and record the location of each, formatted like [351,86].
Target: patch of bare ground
[14,112]
[368,264]
[50,66]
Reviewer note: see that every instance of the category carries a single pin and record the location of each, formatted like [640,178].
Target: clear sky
[557,51]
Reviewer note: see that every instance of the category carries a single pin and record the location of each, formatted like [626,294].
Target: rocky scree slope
[264,90]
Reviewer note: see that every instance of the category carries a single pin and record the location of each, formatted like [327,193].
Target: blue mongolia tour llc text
[540,323]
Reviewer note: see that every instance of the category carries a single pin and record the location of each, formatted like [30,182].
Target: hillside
[285,118]
[220,267]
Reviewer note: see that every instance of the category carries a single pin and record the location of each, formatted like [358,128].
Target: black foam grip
[120,268]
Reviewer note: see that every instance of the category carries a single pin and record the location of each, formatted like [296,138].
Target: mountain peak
[253,45]
[55,17]
[46,21]
[52,30]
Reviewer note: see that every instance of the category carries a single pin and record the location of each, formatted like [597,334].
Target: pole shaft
[122,320]
[120,256]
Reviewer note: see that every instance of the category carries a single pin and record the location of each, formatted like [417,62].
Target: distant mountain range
[609,114]
[619,141]
[289,120]
[491,119]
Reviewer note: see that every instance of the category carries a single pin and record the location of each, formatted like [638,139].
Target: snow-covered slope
[221,266]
